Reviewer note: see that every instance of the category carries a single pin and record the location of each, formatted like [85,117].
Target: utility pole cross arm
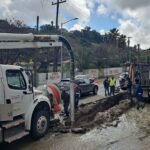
[58,2]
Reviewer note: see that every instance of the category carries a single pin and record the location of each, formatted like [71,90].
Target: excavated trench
[102,113]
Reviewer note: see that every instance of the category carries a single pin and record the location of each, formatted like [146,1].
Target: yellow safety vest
[112,82]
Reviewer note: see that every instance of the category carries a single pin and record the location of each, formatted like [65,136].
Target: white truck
[21,112]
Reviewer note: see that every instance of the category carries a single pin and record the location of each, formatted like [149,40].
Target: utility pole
[37,24]
[57,10]
[55,61]
[128,41]
[138,49]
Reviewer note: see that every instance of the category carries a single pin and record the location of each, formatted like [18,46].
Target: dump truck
[21,111]
[139,71]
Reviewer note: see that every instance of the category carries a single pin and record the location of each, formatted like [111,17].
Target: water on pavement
[132,133]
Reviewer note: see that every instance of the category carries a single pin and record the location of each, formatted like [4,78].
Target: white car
[122,79]
[123,75]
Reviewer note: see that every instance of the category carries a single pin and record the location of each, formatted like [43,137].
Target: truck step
[13,124]
[16,137]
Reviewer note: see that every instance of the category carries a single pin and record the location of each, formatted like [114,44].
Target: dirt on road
[102,113]
[132,132]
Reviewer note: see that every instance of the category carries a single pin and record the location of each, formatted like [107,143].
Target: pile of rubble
[103,113]
[107,117]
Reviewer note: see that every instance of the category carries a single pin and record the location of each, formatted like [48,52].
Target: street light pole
[61,53]
[129,49]
[61,46]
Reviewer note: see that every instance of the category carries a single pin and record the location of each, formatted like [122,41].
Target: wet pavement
[132,133]
[93,98]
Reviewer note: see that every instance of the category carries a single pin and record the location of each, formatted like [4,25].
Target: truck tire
[40,124]
[95,90]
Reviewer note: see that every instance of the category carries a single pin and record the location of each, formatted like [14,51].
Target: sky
[130,17]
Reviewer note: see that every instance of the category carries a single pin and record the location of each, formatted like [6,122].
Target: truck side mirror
[29,74]
[30,87]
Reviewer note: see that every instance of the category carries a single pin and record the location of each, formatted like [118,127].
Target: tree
[83,59]
[113,35]
[122,41]
[47,28]
[12,26]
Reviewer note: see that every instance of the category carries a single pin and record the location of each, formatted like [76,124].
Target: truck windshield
[15,80]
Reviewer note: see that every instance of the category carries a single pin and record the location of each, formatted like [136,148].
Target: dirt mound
[102,112]
[112,113]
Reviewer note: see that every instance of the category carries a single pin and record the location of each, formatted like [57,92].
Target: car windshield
[65,81]
[81,77]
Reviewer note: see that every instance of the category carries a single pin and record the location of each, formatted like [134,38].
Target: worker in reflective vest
[112,84]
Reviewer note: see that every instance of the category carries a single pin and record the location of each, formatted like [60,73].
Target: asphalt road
[132,133]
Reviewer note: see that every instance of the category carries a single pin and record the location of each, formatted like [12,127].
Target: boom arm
[23,41]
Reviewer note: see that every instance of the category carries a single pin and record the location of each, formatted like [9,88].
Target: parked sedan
[86,86]
[83,86]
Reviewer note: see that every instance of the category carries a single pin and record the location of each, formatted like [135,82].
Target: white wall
[52,77]
[112,71]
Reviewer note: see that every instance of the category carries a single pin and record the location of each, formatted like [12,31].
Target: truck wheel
[95,90]
[40,124]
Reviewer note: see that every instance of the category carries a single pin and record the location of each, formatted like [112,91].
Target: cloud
[132,4]
[102,9]
[133,19]
[132,15]
[139,34]
[102,31]
[77,27]
[81,9]
[28,10]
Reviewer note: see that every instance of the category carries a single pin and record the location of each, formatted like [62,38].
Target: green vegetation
[92,50]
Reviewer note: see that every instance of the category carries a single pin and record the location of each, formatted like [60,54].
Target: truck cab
[19,93]
[21,112]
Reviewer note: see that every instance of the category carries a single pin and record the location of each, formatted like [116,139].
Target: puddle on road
[133,123]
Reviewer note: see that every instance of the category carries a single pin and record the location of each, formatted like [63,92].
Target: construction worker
[112,85]
[76,95]
[66,100]
[138,94]
[106,86]
[129,88]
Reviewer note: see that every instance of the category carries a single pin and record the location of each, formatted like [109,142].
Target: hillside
[92,50]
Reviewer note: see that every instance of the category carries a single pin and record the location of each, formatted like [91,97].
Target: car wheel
[95,90]
[40,124]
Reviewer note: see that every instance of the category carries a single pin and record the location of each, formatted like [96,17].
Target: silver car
[83,86]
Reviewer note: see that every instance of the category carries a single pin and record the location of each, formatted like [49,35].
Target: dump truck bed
[145,75]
